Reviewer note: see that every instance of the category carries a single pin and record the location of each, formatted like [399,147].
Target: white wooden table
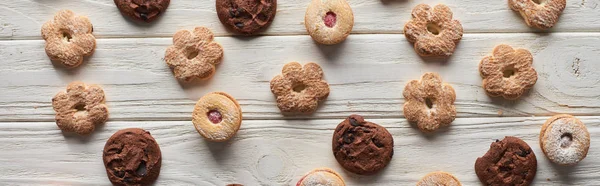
[367,74]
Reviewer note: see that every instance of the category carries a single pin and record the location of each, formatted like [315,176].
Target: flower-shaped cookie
[429,102]
[68,38]
[299,89]
[542,14]
[507,72]
[194,54]
[80,108]
[433,31]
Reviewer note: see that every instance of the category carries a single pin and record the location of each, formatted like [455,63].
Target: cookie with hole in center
[132,157]
[362,147]
[507,72]
[246,16]
[329,22]
[564,139]
[541,14]
[321,177]
[69,38]
[433,31]
[439,179]
[299,89]
[80,108]
[508,162]
[429,102]
[142,10]
[217,116]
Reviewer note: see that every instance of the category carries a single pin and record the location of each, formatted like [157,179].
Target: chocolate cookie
[508,162]
[246,16]
[132,157]
[362,147]
[142,10]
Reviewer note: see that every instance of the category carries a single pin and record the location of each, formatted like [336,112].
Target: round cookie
[246,16]
[217,116]
[142,10]
[362,147]
[329,22]
[132,157]
[564,139]
[439,178]
[321,177]
[508,162]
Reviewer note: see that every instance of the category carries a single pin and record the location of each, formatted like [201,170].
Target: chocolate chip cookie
[508,162]
[246,16]
[362,147]
[132,157]
[142,10]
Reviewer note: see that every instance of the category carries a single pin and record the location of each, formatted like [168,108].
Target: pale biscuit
[542,14]
[194,54]
[565,140]
[68,38]
[321,177]
[507,72]
[217,116]
[80,108]
[433,31]
[429,102]
[439,178]
[329,22]
[299,89]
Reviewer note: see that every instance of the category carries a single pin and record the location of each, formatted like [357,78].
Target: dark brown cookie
[142,10]
[362,147]
[508,162]
[246,16]
[132,157]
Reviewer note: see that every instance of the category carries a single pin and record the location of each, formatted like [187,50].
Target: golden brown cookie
[68,38]
[194,54]
[433,31]
[321,177]
[80,108]
[565,140]
[507,72]
[329,22]
[299,89]
[429,102]
[542,14]
[439,179]
[217,116]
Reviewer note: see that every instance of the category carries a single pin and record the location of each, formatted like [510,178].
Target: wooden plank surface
[23,18]
[277,152]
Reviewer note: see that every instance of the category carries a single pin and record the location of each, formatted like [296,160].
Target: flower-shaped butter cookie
[194,54]
[433,31]
[507,72]
[68,38]
[299,89]
[80,108]
[429,102]
[542,14]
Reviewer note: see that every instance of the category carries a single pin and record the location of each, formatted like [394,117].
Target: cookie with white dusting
[564,139]
[321,177]
[439,178]
[217,116]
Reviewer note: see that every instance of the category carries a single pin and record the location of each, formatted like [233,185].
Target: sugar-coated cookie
[246,16]
[142,10]
[69,38]
[194,54]
[507,72]
[299,89]
[362,147]
[542,14]
[321,177]
[439,179]
[565,140]
[329,22]
[80,108]
[217,116]
[429,102]
[132,157]
[433,31]
[508,162]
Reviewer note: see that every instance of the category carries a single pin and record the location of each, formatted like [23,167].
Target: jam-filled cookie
[217,116]
[321,177]
[439,179]
[329,22]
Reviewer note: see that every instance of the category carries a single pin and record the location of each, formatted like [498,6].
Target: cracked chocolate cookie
[246,16]
[132,157]
[142,10]
[508,162]
[362,147]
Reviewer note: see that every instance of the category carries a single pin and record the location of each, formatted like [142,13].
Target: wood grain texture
[367,74]
[23,18]
[277,152]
